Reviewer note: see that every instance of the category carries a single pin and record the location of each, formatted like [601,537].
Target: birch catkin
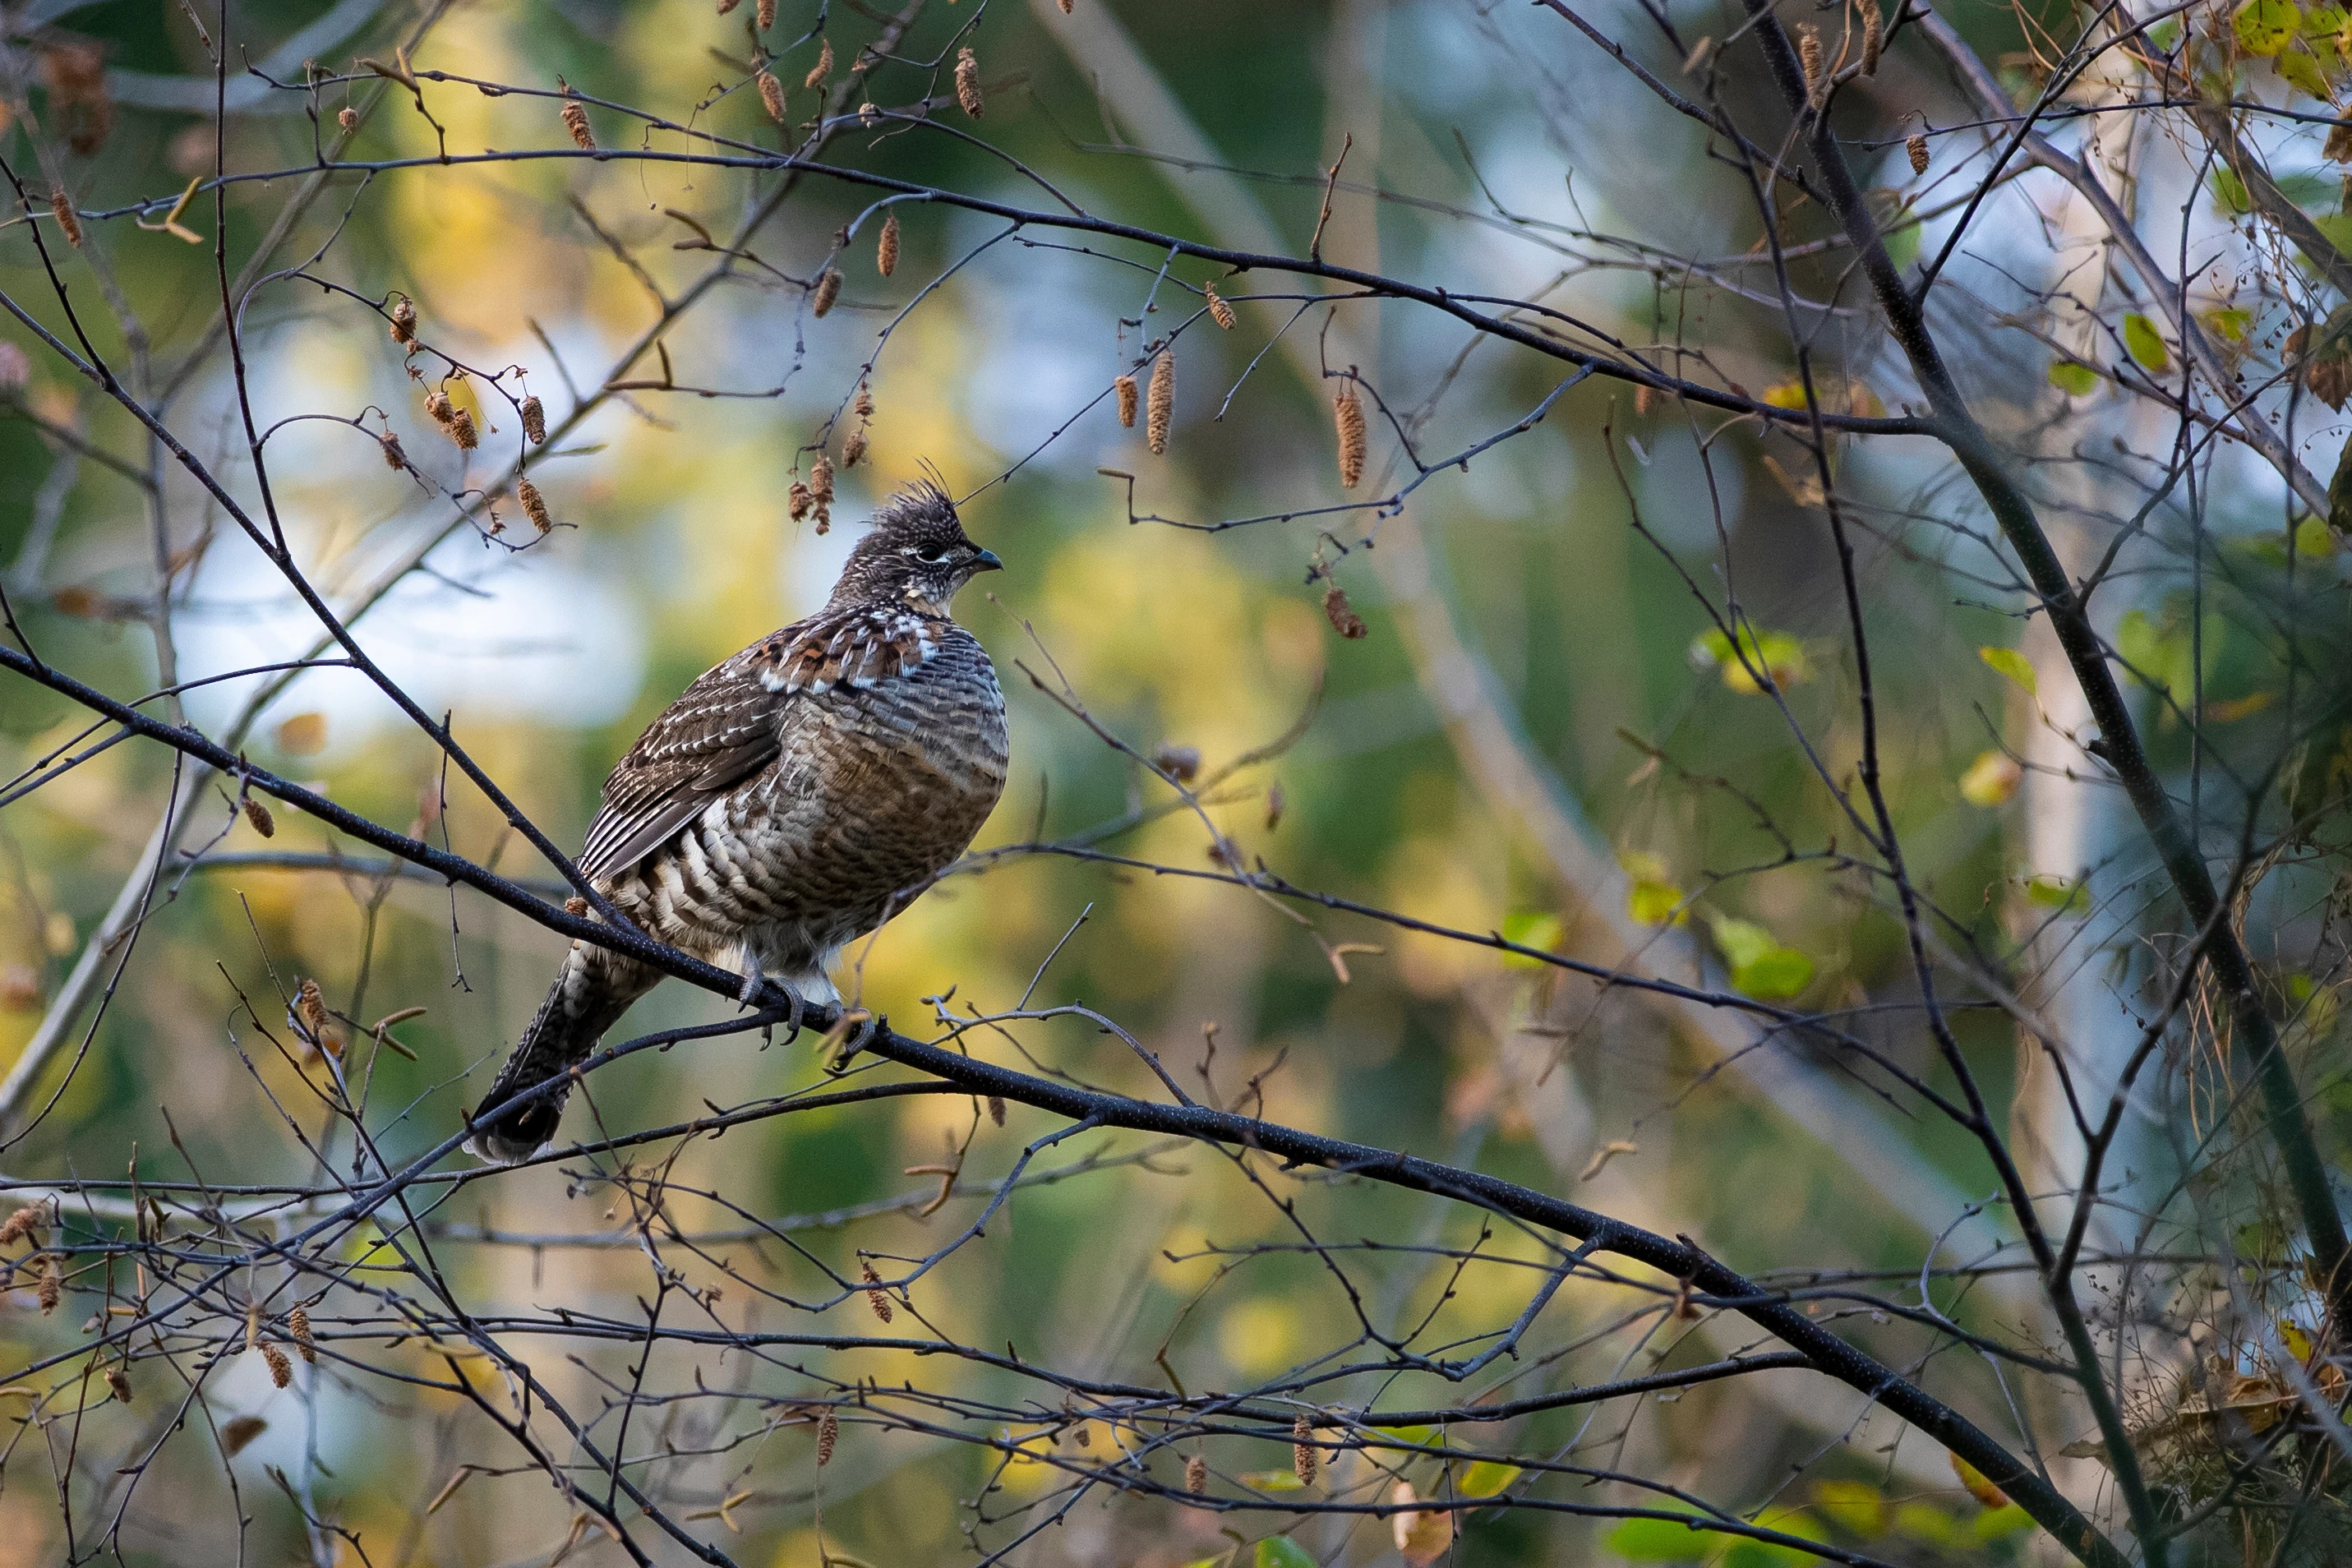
[534,420]
[1873,37]
[771,95]
[1159,403]
[1916,145]
[886,249]
[69,222]
[575,120]
[966,82]
[765,15]
[823,67]
[1126,400]
[1220,311]
[1349,416]
[1809,51]
[828,290]
[1302,1452]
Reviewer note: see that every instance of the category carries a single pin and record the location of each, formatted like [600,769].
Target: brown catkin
[771,95]
[575,120]
[1809,51]
[20,1223]
[119,1385]
[52,1285]
[1126,398]
[312,1008]
[800,501]
[349,119]
[864,405]
[828,1433]
[828,290]
[823,67]
[852,449]
[252,1323]
[1219,311]
[1645,397]
[575,905]
[403,320]
[1066,7]
[966,80]
[297,1328]
[437,405]
[1873,37]
[875,1295]
[1302,1453]
[1347,415]
[821,480]
[765,15]
[1159,403]
[394,456]
[996,1109]
[726,6]
[281,1369]
[534,420]
[1196,1475]
[534,506]
[886,249]
[61,206]
[1915,144]
[462,431]
[1341,614]
[258,814]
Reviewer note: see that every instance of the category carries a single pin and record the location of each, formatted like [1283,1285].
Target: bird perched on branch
[792,799]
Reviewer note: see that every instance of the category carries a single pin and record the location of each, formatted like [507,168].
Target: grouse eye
[933,554]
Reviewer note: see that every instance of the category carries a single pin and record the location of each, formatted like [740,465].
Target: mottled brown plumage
[791,800]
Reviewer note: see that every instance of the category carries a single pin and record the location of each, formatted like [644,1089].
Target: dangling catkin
[403,320]
[349,119]
[1915,144]
[800,501]
[726,6]
[118,1384]
[1159,403]
[771,96]
[298,1328]
[1341,614]
[1219,311]
[534,506]
[765,15]
[21,1224]
[886,249]
[534,420]
[52,1285]
[823,67]
[61,206]
[1645,397]
[828,290]
[1873,37]
[828,1433]
[996,1109]
[1302,1453]
[1809,51]
[258,814]
[395,457]
[1349,416]
[875,1296]
[852,449]
[821,491]
[252,1323]
[575,120]
[281,1371]
[967,80]
[864,405]
[461,430]
[1126,385]
[1196,1475]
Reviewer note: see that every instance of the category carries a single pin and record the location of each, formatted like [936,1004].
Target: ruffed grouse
[790,801]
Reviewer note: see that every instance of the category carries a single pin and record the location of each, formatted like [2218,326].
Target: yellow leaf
[1983,1491]
[302,734]
[1991,780]
[2146,344]
[2008,661]
[2238,708]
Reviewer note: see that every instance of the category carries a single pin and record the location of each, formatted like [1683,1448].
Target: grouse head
[916,553]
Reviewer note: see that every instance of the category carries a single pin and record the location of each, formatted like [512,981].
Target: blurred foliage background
[1540,598]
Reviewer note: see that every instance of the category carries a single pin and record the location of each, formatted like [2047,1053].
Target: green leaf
[1778,655]
[1530,928]
[1855,1507]
[1659,1541]
[1656,903]
[2074,380]
[1411,1437]
[1926,1524]
[1772,1553]
[2008,661]
[1487,1478]
[2314,539]
[2141,646]
[2337,227]
[2228,322]
[2300,69]
[2263,27]
[1903,235]
[2230,197]
[1761,967]
[2000,1523]
[1272,1480]
[2146,344]
[1281,1551]
[2165,34]
[2058,893]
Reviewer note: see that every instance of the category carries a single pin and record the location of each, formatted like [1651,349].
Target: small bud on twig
[1127,399]
[886,249]
[1159,402]
[966,82]
[1349,416]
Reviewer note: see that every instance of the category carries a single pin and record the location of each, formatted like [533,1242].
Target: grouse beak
[986,561]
